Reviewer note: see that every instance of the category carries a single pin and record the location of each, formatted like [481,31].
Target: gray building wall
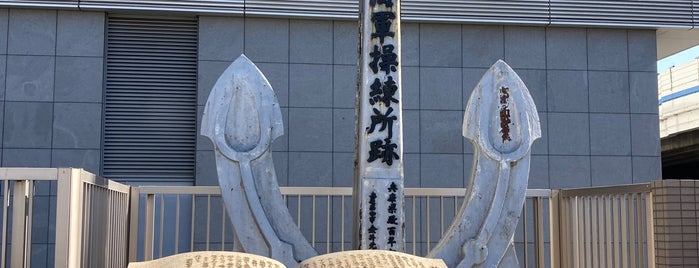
[595,90]
[51,87]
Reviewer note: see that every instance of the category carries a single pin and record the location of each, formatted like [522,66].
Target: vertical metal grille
[150,113]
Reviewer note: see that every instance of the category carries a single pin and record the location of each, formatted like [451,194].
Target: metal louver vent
[639,12]
[529,11]
[614,13]
[218,6]
[150,105]
[42,3]
[304,8]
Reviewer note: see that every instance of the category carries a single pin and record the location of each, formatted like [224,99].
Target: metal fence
[603,227]
[182,219]
[82,220]
[88,214]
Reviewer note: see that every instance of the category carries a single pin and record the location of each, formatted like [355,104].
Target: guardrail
[603,227]
[90,220]
[322,213]
[101,223]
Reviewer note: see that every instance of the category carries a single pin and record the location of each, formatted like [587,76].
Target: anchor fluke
[502,123]
[242,118]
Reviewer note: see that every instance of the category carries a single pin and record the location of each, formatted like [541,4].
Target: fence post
[650,230]
[21,224]
[539,231]
[149,232]
[554,219]
[133,223]
[5,206]
[69,201]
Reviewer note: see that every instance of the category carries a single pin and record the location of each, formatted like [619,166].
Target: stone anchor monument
[242,118]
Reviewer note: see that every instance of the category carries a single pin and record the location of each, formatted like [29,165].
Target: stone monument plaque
[378,185]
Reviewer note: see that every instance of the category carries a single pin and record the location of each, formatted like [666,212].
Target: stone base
[209,259]
[345,259]
[370,258]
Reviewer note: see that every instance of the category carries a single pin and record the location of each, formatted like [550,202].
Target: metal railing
[603,227]
[100,223]
[180,219]
[91,216]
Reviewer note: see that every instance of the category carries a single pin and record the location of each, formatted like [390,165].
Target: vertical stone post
[378,186]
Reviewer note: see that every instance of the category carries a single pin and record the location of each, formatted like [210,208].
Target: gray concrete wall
[51,88]
[595,90]
[51,72]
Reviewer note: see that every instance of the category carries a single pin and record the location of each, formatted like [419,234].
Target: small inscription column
[378,187]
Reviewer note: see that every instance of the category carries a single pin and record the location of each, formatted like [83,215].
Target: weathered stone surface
[370,258]
[502,122]
[378,185]
[242,118]
[202,259]
[346,259]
